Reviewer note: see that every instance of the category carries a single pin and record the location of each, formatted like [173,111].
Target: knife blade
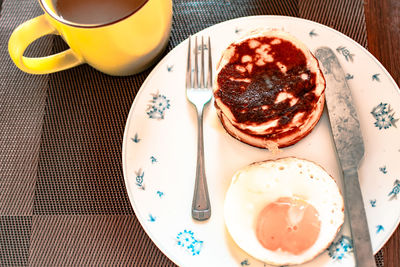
[350,150]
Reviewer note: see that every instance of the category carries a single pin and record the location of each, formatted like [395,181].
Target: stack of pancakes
[269,89]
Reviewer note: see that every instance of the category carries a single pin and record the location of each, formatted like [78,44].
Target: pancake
[269,89]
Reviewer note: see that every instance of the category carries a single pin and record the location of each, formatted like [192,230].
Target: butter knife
[350,150]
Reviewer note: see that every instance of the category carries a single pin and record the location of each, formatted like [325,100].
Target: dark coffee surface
[96,11]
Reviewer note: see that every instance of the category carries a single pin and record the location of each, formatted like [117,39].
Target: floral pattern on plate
[157,107]
[346,53]
[187,240]
[384,116]
[341,248]
[140,179]
[395,191]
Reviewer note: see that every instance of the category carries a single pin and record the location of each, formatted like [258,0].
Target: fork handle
[201,208]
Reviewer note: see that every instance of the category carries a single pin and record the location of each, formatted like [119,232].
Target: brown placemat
[63,200]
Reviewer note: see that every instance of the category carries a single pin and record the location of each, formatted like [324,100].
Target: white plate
[159,150]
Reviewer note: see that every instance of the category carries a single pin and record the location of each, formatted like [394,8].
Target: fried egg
[284,211]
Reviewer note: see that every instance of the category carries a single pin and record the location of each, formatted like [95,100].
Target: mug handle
[27,33]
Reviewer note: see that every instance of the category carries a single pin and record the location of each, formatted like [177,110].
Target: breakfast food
[284,211]
[269,89]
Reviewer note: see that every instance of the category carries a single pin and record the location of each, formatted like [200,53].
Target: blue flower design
[395,191]
[346,53]
[139,179]
[375,77]
[373,203]
[379,228]
[187,240]
[245,263]
[136,138]
[152,218]
[338,250]
[237,30]
[160,194]
[383,169]
[384,116]
[312,33]
[205,47]
[153,159]
[158,104]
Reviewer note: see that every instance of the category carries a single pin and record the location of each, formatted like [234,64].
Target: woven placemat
[62,188]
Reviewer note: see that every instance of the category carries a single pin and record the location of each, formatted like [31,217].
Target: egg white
[261,183]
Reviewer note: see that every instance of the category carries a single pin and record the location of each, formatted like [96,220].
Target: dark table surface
[62,194]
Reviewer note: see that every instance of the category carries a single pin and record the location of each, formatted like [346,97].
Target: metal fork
[199,93]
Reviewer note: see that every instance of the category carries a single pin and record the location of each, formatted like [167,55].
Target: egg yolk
[289,224]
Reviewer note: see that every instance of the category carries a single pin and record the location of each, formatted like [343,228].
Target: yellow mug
[123,47]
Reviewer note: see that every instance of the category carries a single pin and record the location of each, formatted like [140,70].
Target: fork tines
[199,81]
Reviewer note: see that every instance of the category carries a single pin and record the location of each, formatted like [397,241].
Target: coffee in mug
[96,11]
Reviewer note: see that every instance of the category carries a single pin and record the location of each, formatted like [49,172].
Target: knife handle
[358,220]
